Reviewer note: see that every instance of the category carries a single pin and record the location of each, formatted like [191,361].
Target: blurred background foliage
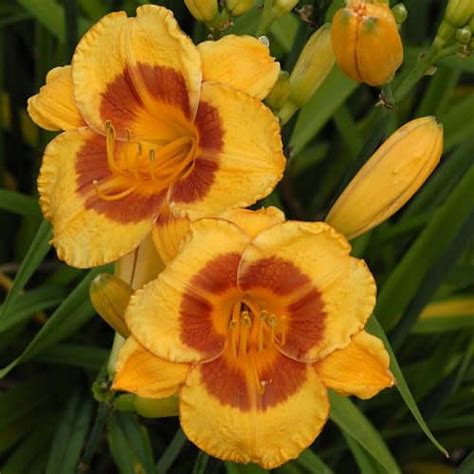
[52,348]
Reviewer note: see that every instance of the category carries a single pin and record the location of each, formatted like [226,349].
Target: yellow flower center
[252,329]
[150,169]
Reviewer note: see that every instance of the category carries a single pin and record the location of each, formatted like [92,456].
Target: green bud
[278,95]
[314,64]
[147,407]
[202,10]
[464,35]
[459,12]
[281,7]
[400,13]
[239,7]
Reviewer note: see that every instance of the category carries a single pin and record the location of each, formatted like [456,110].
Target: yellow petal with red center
[231,416]
[239,158]
[254,222]
[179,315]
[53,108]
[143,74]
[141,372]
[88,230]
[242,62]
[168,233]
[303,274]
[361,368]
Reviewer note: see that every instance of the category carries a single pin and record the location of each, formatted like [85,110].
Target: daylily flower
[151,119]
[249,324]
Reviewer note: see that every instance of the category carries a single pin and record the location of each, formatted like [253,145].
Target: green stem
[266,19]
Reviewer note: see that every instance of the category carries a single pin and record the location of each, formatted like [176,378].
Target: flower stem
[266,18]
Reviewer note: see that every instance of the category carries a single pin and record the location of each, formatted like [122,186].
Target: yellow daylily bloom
[366,42]
[247,301]
[152,120]
[391,176]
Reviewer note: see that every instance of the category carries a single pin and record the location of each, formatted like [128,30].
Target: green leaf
[30,303]
[70,436]
[75,355]
[467,466]
[312,463]
[201,462]
[171,452]
[37,251]
[366,463]
[354,423]
[315,114]
[375,328]
[129,444]
[404,281]
[75,310]
[18,203]
[457,123]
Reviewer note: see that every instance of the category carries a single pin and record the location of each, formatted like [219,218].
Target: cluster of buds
[457,26]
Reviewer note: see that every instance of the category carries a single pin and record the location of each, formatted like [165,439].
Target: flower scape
[239,321]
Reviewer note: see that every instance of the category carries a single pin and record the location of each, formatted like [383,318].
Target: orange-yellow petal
[87,230]
[239,158]
[141,372]
[53,108]
[361,368]
[168,233]
[305,274]
[288,414]
[142,73]
[242,62]
[177,315]
[254,222]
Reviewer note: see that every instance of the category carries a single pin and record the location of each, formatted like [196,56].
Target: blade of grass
[201,463]
[354,423]
[312,463]
[375,328]
[36,252]
[171,452]
[366,463]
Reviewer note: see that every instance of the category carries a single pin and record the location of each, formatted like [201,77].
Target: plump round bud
[366,42]
[147,407]
[239,7]
[459,12]
[202,10]
[110,296]
[391,176]
[464,35]
[400,13]
[314,64]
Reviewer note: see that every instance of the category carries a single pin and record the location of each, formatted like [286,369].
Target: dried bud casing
[366,42]
[202,10]
[239,7]
[110,296]
[314,64]
[389,178]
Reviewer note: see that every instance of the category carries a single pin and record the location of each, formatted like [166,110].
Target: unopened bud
[389,178]
[239,7]
[314,64]
[282,7]
[400,13]
[278,95]
[366,42]
[202,10]
[147,407]
[459,12]
[464,35]
[110,296]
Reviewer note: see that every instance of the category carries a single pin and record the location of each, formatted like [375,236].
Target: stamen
[129,134]
[111,196]
[110,146]
[272,324]
[282,330]
[244,332]
[262,320]
[233,337]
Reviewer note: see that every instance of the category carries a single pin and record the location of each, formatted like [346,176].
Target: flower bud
[400,13]
[464,35]
[202,10]
[278,95]
[110,296]
[314,64]
[366,42]
[147,407]
[459,12]
[389,178]
[281,7]
[239,7]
